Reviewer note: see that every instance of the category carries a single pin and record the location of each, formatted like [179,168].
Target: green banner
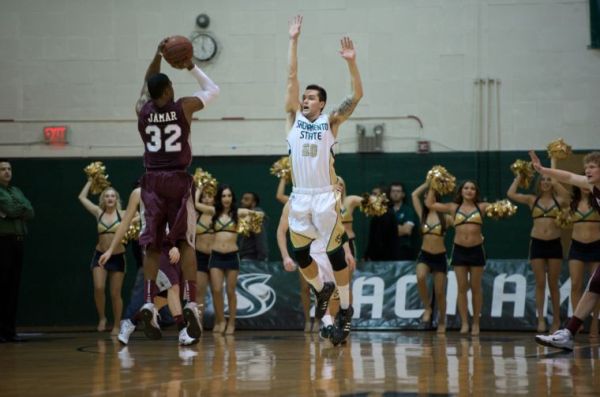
[385,297]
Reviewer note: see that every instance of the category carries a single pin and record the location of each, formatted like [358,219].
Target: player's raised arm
[208,92]
[345,109]
[292,101]
[560,175]
[153,68]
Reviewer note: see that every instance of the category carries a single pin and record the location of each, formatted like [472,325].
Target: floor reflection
[296,364]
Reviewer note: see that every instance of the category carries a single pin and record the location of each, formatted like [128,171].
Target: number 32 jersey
[311,152]
[166,135]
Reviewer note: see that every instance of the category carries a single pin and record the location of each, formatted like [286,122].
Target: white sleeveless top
[311,155]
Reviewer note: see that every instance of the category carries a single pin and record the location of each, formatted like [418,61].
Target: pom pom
[282,169]
[525,171]
[205,182]
[132,233]
[251,224]
[440,180]
[374,205]
[501,209]
[564,218]
[558,149]
[96,171]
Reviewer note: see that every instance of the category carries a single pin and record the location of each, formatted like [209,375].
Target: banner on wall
[385,297]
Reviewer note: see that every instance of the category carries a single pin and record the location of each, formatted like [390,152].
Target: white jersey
[311,156]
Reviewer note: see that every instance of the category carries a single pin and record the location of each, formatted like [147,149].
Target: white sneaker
[185,339]
[192,317]
[561,339]
[150,319]
[127,328]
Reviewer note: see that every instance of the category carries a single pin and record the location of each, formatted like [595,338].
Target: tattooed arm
[341,114]
[153,68]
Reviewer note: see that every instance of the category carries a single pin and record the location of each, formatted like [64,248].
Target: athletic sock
[344,293]
[327,320]
[150,291]
[316,283]
[189,290]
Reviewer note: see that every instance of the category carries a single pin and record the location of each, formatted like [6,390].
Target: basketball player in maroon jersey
[563,338]
[164,126]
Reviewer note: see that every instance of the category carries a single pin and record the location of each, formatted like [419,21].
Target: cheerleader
[204,240]
[108,217]
[545,248]
[432,257]
[468,255]
[585,246]
[563,338]
[224,263]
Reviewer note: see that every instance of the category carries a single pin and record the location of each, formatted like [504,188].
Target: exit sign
[56,135]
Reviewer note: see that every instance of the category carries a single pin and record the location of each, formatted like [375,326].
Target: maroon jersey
[166,135]
[596,201]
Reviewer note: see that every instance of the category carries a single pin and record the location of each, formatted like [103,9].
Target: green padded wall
[57,285]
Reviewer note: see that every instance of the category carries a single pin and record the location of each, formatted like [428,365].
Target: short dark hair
[254,197]
[321,90]
[157,83]
[4,161]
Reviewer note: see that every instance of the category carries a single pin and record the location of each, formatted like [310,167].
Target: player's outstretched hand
[294,26]
[347,52]
[161,45]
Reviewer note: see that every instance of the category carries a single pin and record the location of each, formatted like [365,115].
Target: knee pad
[303,257]
[594,283]
[337,259]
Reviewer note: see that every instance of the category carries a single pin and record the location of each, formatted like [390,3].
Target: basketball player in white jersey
[318,253]
[314,209]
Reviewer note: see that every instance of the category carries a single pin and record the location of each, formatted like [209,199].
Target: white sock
[344,293]
[327,320]
[316,282]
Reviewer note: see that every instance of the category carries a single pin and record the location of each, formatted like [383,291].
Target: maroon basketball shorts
[171,271]
[167,200]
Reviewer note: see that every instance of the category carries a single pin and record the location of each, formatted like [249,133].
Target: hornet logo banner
[254,296]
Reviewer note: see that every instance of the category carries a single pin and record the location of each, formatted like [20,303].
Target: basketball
[177,49]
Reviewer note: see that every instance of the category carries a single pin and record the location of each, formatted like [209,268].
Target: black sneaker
[342,324]
[323,299]
[326,332]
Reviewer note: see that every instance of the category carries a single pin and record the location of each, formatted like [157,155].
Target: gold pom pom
[564,218]
[282,169]
[523,169]
[205,182]
[96,171]
[441,180]
[374,205]
[501,209]
[251,224]
[132,233]
[559,150]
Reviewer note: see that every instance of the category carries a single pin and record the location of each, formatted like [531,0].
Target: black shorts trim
[116,263]
[585,252]
[202,261]
[435,262]
[224,261]
[468,256]
[545,249]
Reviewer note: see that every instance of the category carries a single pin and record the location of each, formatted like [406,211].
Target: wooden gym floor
[284,363]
